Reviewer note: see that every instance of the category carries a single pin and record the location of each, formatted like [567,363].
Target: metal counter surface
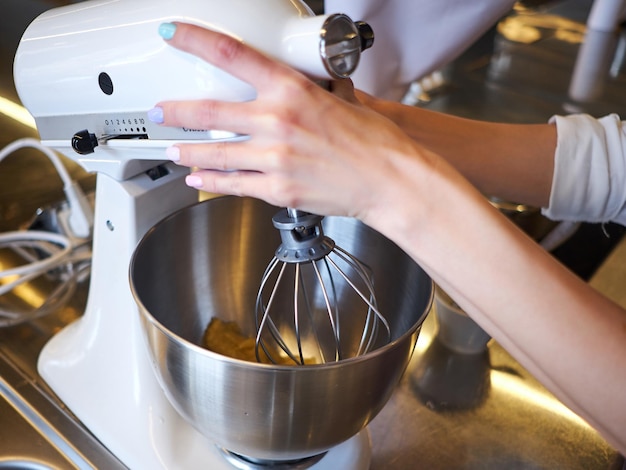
[451,410]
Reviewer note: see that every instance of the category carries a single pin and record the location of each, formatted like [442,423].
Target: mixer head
[89,72]
[298,314]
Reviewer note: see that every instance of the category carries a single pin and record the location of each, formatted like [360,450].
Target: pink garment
[414,38]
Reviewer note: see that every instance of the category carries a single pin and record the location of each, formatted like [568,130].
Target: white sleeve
[589,182]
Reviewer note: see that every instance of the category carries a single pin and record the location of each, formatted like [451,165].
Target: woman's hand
[308,148]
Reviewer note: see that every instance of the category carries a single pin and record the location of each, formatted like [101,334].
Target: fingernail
[193,181]
[156,115]
[167,30]
[173,153]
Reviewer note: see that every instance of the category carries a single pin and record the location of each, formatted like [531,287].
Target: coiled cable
[66,254]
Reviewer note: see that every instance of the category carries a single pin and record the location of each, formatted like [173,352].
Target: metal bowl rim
[220,357]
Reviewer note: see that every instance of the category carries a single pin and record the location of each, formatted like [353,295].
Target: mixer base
[98,365]
[353,454]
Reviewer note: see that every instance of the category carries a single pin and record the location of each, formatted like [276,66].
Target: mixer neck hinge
[302,236]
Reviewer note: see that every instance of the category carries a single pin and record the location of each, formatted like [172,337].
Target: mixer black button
[84,142]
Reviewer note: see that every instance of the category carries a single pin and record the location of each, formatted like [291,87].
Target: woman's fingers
[226,53]
[273,188]
[221,156]
[236,183]
[285,98]
[207,115]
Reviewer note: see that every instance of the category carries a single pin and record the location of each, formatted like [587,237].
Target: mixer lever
[84,142]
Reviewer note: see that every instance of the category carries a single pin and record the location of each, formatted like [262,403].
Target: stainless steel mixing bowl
[207,260]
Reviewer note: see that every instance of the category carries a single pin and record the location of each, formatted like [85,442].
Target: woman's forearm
[560,329]
[551,321]
[513,162]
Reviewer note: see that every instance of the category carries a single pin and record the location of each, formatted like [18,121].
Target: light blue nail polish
[167,30]
[156,115]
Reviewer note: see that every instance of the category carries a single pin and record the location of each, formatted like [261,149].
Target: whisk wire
[296,311]
[261,316]
[371,325]
[314,332]
[333,314]
[266,318]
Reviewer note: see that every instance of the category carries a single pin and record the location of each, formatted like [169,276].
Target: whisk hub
[302,236]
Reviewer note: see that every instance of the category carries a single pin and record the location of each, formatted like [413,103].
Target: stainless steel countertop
[451,410]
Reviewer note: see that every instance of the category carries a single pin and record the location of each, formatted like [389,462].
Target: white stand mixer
[99,365]
[93,66]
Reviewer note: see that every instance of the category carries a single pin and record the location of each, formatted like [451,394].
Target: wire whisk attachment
[316,302]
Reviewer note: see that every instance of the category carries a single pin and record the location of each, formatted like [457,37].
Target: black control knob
[366,33]
[84,142]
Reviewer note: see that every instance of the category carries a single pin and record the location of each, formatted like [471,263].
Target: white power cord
[81,215]
[44,251]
